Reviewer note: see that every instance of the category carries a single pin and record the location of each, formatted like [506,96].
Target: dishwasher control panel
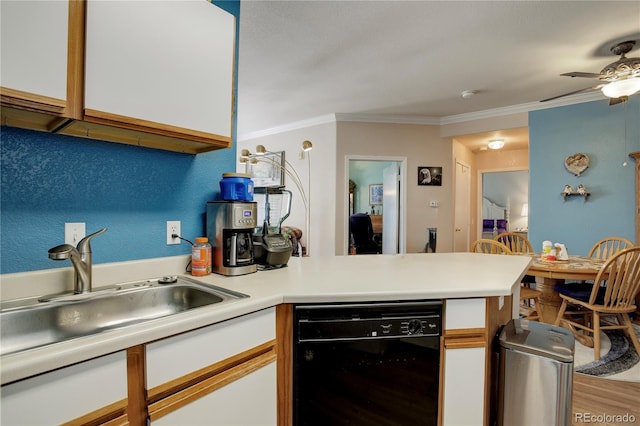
[368,321]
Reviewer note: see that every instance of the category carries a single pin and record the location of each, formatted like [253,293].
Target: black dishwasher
[367,363]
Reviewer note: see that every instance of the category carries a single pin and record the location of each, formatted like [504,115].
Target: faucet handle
[84,246]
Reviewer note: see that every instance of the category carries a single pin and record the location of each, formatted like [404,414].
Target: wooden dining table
[550,273]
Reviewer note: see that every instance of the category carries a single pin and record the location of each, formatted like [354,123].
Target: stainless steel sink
[32,323]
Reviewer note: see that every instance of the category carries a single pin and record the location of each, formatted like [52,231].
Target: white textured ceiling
[305,59]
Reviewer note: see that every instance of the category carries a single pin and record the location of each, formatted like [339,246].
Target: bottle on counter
[201,257]
[548,251]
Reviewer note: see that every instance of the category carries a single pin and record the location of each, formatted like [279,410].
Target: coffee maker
[230,226]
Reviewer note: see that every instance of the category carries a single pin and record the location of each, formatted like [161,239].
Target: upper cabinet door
[34,47]
[160,63]
[34,53]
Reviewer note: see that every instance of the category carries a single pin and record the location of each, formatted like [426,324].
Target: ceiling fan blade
[581,74]
[616,101]
[570,93]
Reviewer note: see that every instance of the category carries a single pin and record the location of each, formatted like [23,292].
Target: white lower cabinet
[249,401]
[65,394]
[464,387]
[235,383]
[464,362]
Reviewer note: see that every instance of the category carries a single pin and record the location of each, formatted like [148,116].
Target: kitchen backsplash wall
[47,180]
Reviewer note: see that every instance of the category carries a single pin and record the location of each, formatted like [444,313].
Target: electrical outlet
[74,232]
[434,203]
[173,227]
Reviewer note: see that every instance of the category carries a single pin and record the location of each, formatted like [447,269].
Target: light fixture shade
[245,153]
[307,146]
[260,150]
[496,144]
[620,88]
[525,210]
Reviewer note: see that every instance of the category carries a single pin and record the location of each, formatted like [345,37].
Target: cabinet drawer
[177,356]
[465,314]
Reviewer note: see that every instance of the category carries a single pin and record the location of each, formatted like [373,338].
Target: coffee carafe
[230,227]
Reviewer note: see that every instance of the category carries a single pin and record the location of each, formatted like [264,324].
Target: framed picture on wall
[375,194]
[267,170]
[429,176]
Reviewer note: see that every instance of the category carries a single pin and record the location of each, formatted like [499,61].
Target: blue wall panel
[49,179]
[598,130]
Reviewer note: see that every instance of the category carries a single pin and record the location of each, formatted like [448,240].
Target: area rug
[618,360]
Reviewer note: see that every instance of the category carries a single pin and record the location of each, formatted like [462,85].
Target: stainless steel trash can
[535,374]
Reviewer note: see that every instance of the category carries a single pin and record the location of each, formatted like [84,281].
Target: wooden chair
[485,245]
[528,296]
[607,247]
[517,243]
[612,295]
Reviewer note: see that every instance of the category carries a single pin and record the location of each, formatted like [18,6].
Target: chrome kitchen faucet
[80,259]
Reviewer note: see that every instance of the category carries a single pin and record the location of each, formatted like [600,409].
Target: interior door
[462,216]
[390,209]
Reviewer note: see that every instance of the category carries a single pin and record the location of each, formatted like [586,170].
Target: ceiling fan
[619,79]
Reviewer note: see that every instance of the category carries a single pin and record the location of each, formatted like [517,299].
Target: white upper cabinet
[164,62]
[34,47]
[158,74]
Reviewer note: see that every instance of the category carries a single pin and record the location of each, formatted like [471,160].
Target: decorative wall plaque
[577,163]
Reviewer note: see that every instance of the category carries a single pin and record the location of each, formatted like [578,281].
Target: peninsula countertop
[304,280]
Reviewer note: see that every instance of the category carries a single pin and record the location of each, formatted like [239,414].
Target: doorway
[503,194]
[377,188]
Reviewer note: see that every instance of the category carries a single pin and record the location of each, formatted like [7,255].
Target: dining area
[586,294]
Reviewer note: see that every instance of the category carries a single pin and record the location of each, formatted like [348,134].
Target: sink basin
[36,322]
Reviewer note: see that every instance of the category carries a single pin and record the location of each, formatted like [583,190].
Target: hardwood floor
[597,401]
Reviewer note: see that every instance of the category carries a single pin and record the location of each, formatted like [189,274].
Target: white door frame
[468,202]
[481,194]
[402,198]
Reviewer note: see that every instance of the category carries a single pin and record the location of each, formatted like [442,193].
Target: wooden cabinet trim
[84,129]
[99,117]
[31,102]
[464,338]
[137,385]
[75,59]
[110,415]
[284,338]
[171,396]
[460,342]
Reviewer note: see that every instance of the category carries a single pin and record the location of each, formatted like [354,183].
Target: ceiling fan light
[495,144]
[620,88]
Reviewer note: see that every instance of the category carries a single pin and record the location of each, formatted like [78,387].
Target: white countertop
[310,279]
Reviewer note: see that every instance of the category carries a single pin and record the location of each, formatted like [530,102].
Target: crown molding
[520,108]
[425,120]
[390,118]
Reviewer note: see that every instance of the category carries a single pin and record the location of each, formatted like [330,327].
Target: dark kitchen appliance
[230,227]
[271,248]
[367,363]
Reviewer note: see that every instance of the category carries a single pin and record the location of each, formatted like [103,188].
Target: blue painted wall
[598,130]
[48,180]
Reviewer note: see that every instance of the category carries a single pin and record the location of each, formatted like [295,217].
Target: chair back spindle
[487,246]
[620,278]
[607,247]
[517,243]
